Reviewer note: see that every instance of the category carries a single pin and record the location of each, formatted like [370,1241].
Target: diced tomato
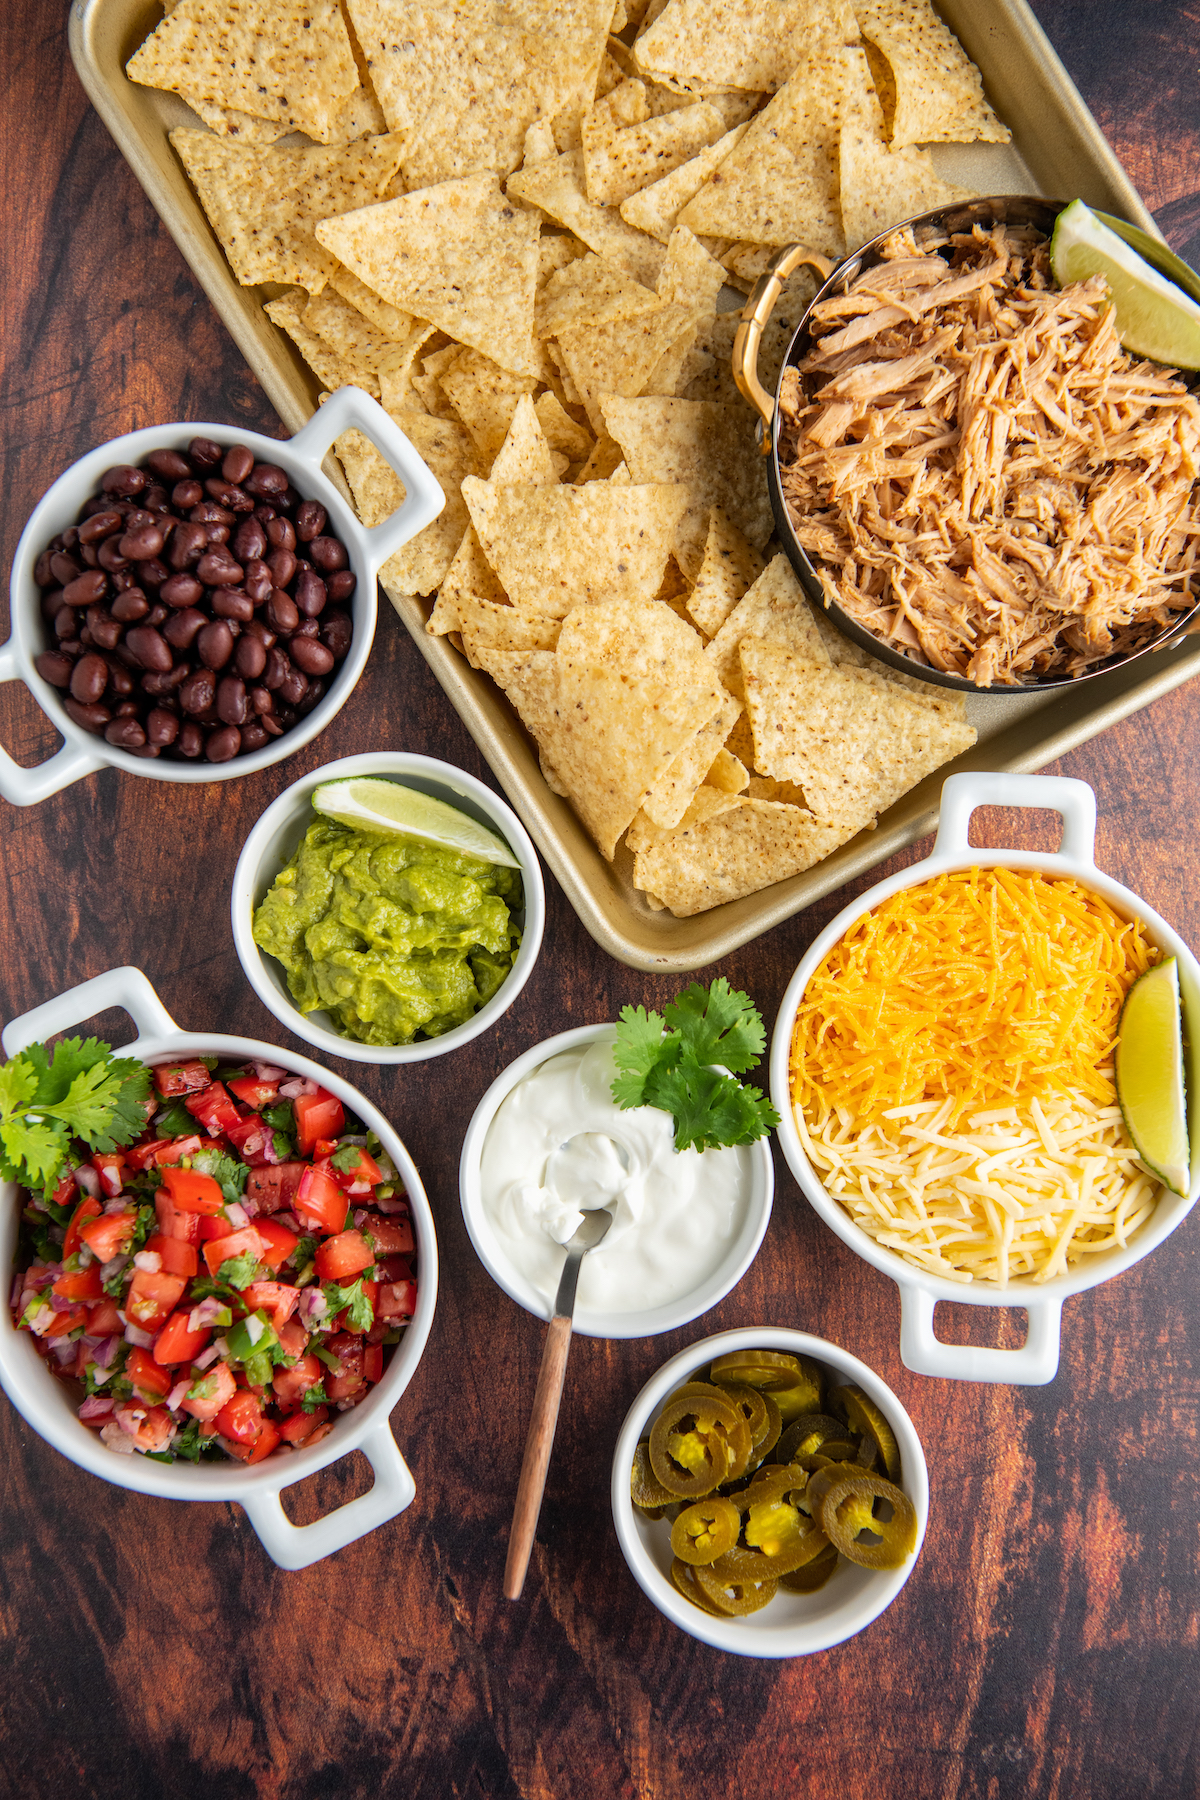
[177,1257]
[394,1268]
[342,1257]
[373,1362]
[84,1284]
[150,1429]
[142,1155]
[103,1320]
[64,1323]
[267,1439]
[214,1108]
[279,1241]
[275,1298]
[274,1187]
[301,1426]
[397,1300]
[293,1337]
[365,1173]
[87,1209]
[152,1298]
[214,1227]
[177,1342]
[181,1078]
[176,1150]
[291,1384]
[109,1234]
[244,1242]
[174,1221]
[324,1147]
[393,1234]
[251,1139]
[241,1418]
[318,1115]
[254,1093]
[349,1351]
[319,1200]
[64,1193]
[149,1379]
[111,1170]
[193,1192]
[217,1389]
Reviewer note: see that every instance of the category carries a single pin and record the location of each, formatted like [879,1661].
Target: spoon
[540,1440]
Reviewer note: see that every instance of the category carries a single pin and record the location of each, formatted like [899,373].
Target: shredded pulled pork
[981,475]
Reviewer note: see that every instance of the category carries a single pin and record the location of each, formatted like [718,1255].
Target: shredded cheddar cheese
[952,1078]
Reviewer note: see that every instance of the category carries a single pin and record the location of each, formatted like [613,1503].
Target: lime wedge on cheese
[1154,317]
[371,804]
[1149,1070]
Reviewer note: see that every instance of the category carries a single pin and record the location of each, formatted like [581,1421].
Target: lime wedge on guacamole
[371,804]
[1154,317]
[1149,1070]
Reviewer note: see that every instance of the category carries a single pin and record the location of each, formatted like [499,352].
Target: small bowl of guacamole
[388,939]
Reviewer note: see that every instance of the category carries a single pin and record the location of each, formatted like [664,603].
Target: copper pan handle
[757,311]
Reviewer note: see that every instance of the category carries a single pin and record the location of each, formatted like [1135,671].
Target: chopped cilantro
[147,1221]
[85,1092]
[280,1117]
[229,1174]
[666,1061]
[314,1396]
[346,1158]
[239,1271]
[353,1301]
[174,1121]
[190,1445]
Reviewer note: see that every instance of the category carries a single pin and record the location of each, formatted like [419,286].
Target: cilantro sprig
[80,1090]
[666,1060]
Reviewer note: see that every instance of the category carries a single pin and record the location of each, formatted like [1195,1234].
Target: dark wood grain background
[1046,1645]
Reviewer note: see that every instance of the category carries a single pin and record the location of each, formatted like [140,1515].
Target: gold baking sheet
[1057,151]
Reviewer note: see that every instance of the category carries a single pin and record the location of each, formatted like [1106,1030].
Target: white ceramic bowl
[591,1321]
[301,457]
[1037,1360]
[793,1624]
[43,1399]
[274,840]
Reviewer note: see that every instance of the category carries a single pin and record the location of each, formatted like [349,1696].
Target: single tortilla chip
[855,744]
[458,254]
[469,577]
[735,851]
[620,357]
[674,791]
[655,209]
[618,160]
[349,333]
[376,487]
[730,566]
[562,432]
[690,276]
[668,372]
[524,458]
[604,461]
[557,189]
[773,610]
[589,291]
[276,59]
[331,370]
[729,43]
[389,320]
[727,773]
[485,398]
[879,187]
[556,249]
[420,566]
[708,447]
[939,91]
[555,548]
[264,203]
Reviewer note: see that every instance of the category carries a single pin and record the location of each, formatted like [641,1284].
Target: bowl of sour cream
[548,1142]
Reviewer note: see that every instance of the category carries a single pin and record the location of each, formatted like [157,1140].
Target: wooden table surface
[1046,1643]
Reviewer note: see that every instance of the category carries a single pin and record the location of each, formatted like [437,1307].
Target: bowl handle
[1073,800]
[25,787]
[296,1546]
[423,498]
[755,313]
[1035,1363]
[126,987]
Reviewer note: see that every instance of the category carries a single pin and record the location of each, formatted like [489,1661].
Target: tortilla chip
[729,43]
[485,397]
[667,374]
[625,104]
[774,609]
[727,773]
[264,203]
[469,577]
[603,462]
[488,625]
[655,209]
[589,291]
[939,91]
[557,189]
[690,276]
[524,458]
[421,565]
[738,850]
[706,803]
[289,60]
[674,791]
[562,433]
[879,187]
[396,391]
[389,320]
[705,445]
[730,566]
[619,358]
[618,160]
[555,548]
[457,254]
[740,742]
[854,744]
[360,343]
[331,370]
[228,122]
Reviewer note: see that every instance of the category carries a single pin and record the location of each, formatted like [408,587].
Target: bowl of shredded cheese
[943,1068]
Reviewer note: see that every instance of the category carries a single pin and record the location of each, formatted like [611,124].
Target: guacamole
[394,936]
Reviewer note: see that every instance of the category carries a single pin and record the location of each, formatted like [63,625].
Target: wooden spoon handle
[538,1446]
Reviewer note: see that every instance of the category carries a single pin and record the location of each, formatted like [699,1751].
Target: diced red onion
[313,1307]
[394,1205]
[129,1415]
[270,1146]
[360,1218]
[88,1179]
[136,1336]
[149,1261]
[96,1406]
[112,1435]
[221,1346]
[237,1215]
[359,1139]
[268,1071]
[250,1206]
[112,1267]
[117,1203]
[176,1396]
[295,1086]
[64,1350]
[106,1351]
[59,1304]
[18,1288]
[206,1357]
[289,1219]
[206,1312]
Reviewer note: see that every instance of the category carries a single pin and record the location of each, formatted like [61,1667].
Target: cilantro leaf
[279,1117]
[718,1025]
[353,1300]
[346,1158]
[238,1271]
[18,1085]
[229,1174]
[174,1121]
[711,1110]
[38,1150]
[83,1092]
[668,1063]
[314,1396]
[639,1046]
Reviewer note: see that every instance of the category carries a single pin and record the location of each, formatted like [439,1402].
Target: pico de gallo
[231,1280]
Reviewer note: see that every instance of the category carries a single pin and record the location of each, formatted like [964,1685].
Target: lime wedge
[1154,317]
[371,804]
[1149,1071]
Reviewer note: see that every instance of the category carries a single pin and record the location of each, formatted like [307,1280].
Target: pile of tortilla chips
[512,221]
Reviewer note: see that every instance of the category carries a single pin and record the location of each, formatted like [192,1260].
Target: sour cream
[559,1145]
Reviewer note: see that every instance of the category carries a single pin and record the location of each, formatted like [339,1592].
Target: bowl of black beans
[192,602]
